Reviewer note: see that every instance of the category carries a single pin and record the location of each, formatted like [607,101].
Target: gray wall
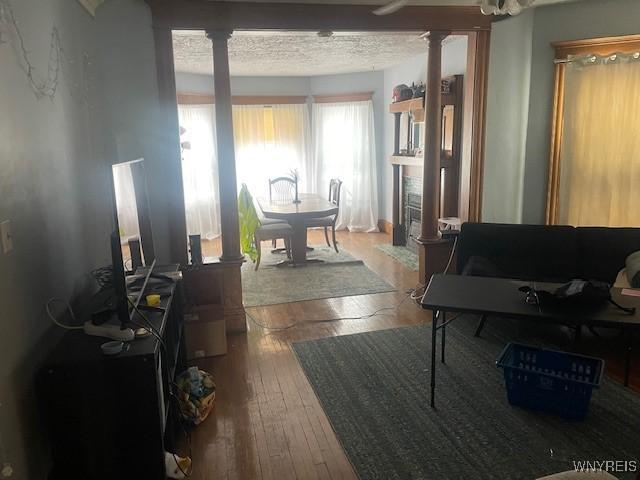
[507,109]
[132,111]
[53,189]
[454,62]
[586,19]
[195,83]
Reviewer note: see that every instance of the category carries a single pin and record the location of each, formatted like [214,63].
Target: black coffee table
[501,298]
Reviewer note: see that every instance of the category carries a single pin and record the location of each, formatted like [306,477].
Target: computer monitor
[133,217]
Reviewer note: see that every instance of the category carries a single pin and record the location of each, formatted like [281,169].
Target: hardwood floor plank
[267,423]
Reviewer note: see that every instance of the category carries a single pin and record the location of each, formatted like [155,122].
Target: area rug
[402,254]
[340,275]
[374,388]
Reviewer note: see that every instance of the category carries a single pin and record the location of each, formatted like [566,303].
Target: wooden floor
[267,423]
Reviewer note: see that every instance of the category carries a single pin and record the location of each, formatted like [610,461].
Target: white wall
[53,189]
[507,109]
[454,62]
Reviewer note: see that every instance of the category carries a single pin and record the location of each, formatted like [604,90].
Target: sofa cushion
[602,251]
[524,252]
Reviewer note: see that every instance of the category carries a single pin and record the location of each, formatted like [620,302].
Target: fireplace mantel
[406,160]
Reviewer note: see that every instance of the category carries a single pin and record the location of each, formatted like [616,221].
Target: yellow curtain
[600,151]
[270,141]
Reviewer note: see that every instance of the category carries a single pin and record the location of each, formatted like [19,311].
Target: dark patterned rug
[374,388]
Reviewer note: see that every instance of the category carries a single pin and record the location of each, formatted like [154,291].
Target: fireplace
[413,218]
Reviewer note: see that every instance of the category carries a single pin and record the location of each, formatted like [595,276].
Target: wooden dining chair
[335,186]
[272,231]
[282,189]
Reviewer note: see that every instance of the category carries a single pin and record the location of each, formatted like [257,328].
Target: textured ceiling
[298,54]
[306,54]
[411,2]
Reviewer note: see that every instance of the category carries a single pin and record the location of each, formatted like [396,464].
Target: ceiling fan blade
[390,7]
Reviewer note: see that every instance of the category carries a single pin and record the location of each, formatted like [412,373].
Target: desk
[500,297]
[297,215]
[111,416]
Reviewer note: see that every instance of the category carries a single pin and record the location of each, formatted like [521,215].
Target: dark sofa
[546,253]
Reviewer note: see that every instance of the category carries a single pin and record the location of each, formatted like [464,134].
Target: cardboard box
[205,332]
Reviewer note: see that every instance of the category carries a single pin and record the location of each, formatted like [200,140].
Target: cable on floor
[336,319]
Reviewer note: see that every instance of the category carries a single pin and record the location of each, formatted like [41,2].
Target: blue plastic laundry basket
[549,380]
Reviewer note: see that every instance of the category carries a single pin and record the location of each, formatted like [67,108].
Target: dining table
[297,214]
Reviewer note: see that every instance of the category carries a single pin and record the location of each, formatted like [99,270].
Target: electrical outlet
[5,236]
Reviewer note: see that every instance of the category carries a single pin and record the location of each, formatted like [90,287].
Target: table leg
[483,319]
[299,243]
[299,247]
[443,327]
[434,329]
[627,362]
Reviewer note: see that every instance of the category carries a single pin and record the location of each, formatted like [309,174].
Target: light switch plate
[6,237]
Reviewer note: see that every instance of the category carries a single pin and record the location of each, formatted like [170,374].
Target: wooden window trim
[206,99]
[350,97]
[592,46]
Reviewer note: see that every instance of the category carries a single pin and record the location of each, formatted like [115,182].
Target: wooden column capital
[436,37]
[219,34]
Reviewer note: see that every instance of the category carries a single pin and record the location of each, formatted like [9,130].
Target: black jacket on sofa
[547,253]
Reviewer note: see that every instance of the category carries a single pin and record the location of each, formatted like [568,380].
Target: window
[595,160]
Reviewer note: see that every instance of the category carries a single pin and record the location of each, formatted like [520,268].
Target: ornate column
[433,250]
[227,270]
[433,147]
[230,230]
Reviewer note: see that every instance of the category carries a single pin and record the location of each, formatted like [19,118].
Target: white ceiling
[306,54]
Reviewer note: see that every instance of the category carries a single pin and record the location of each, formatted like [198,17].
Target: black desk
[500,297]
[111,417]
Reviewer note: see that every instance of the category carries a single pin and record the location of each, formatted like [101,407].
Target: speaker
[136,253]
[195,247]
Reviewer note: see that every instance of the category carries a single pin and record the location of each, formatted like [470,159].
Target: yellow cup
[153,300]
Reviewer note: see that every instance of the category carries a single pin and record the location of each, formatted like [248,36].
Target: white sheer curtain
[270,141]
[200,170]
[344,148]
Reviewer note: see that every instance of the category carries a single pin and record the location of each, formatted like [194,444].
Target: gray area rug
[402,254]
[374,389]
[341,275]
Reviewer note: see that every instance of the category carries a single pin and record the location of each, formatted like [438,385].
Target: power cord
[172,385]
[453,252]
[336,319]
[69,309]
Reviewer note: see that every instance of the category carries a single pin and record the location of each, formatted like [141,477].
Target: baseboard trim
[385,226]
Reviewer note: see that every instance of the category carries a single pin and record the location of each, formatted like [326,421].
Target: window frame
[603,46]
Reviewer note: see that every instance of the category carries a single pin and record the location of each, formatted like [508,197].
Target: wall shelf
[406,160]
[413,105]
